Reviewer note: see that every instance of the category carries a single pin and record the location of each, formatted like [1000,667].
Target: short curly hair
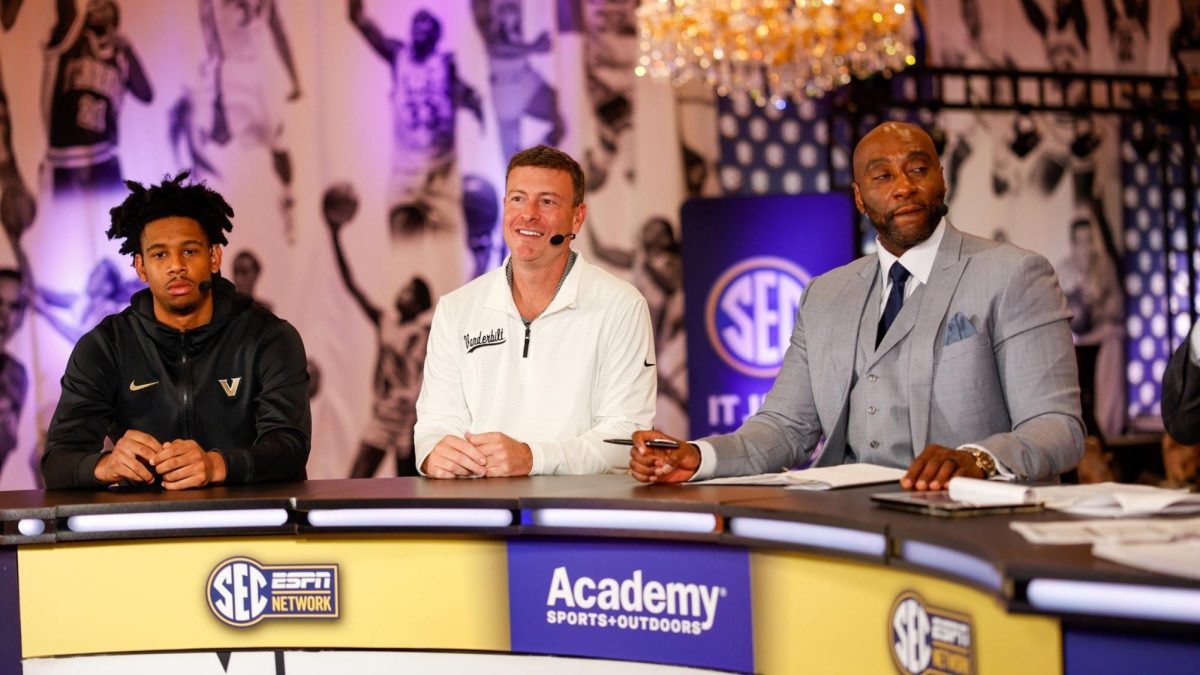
[169,198]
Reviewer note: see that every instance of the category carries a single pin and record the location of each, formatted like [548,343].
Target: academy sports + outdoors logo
[632,603]
[242,592]
[750,312]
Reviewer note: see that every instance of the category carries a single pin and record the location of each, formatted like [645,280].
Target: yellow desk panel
[396,592]
[820,615]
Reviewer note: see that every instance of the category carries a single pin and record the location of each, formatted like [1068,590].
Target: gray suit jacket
[1012,387]
[1181,395]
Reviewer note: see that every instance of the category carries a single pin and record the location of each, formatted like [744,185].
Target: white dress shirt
[918,260]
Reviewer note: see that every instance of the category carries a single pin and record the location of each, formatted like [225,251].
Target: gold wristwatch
[984,461]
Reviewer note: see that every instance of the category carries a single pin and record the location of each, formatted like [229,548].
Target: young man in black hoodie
[195,384]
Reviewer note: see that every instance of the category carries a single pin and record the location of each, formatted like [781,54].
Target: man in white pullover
[532,365]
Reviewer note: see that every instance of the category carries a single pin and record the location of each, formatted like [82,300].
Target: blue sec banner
[746,262]
[633,601]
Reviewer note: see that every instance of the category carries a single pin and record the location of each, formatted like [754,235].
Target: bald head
[891,132]
[898,184]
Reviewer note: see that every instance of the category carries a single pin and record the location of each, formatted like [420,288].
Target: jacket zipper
[186,388]
[529,329]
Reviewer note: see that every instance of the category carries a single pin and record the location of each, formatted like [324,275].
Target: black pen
[654,443]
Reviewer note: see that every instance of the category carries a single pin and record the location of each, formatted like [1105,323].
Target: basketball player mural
[236,34]
[1185,48]
[402,331]
[89,67]
[481,211]
[424,192]
[657,267]
[14,380]
[979,50]
[17,210]
[1069,142]
[74,313]
[610,53]
[518,91]
[246,270]
[1128,24]
[17,206]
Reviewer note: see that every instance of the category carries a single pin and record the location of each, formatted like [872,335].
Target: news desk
[727,578]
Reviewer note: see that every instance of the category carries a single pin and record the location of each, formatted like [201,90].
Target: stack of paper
[821,478]
[1181,558]
[1163,545]
[989,492]
[1100,499]
[1134,530]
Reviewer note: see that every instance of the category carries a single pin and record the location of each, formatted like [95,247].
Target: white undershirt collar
[918,260]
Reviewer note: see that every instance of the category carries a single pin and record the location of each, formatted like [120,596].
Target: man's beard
[889,232]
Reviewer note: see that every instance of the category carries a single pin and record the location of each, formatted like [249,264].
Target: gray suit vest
[878,427]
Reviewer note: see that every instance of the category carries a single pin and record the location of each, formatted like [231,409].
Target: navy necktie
[895,300]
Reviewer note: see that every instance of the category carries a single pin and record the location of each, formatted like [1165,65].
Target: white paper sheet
[1112,500]
[821,478]
[1163,545]
[1180,558]
[1132,530]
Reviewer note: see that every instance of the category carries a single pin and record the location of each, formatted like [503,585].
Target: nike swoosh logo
[138,387]
[646,363]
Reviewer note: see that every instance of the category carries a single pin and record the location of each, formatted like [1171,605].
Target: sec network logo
[751,310]
[242,592]
[928,640]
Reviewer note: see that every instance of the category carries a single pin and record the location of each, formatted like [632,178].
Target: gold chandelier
[770,50]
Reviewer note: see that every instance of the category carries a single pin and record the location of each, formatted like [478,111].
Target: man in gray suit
[1181,391]
[944,353]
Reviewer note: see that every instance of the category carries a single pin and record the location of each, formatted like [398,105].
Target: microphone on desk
[558,239]
[205,286]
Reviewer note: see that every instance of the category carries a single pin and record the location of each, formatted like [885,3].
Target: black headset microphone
[205,286]
[558,239]
[942,210]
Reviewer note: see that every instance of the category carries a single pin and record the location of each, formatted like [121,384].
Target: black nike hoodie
[236,386]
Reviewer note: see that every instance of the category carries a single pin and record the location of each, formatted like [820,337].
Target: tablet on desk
[940,504]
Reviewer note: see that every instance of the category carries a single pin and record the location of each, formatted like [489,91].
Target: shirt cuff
[239,466]
[85,472]
[537,454]
[1194,350]
[1002,471]
[708,461]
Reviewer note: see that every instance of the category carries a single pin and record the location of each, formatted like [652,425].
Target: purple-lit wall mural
[362,145]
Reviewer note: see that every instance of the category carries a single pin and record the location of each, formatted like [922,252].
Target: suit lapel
[841,350]
[947,271]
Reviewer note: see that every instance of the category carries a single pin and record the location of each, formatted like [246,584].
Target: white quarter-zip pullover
[583,371]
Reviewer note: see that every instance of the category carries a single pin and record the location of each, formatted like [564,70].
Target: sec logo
[242,591]
[928,640]
[238,592]
[750,313]
[911,636]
